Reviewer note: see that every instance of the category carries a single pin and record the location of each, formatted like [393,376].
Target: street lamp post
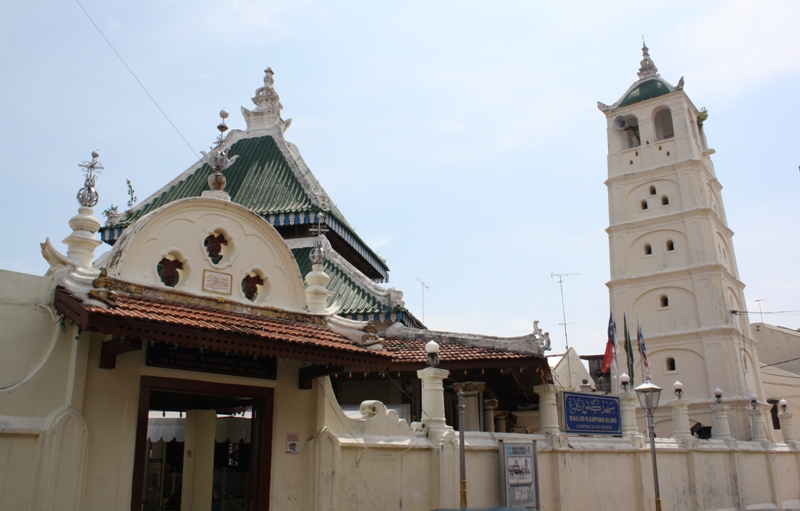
[648,395]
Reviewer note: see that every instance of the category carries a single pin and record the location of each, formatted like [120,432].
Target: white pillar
[680,418]
[433,396]
[548,409]
[722,428]
[198,460]
[316,292]
[471,389]
[757,424]
[81,243]
[627,410]
[489,406]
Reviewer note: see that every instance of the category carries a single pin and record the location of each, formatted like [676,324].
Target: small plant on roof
[702,116]
[110,211]
[131,194]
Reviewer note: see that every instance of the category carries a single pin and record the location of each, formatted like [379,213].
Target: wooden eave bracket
[117,346]
[306,375]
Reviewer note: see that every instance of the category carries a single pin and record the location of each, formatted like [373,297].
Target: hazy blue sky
[460,139]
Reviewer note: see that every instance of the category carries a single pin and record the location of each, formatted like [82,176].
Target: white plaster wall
[179,230]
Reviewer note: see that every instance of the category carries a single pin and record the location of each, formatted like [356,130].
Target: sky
[461,139]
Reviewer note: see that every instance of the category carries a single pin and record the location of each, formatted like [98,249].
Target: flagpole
[616,359]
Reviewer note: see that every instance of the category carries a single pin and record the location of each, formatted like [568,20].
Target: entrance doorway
[213,450]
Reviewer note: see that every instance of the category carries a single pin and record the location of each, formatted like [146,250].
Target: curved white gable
[178,231]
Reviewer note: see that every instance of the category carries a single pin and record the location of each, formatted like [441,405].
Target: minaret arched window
[670,245]
[663,124]
[671,366]
[652,190]
[664,200]
[630,133]
[648,250]
[663,301]
[643,204]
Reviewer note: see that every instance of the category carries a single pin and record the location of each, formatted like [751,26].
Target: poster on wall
[520,470]
[292,443]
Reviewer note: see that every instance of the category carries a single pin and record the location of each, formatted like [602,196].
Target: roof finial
[88,196]
[217,159]
[318,255]
[316,280]
[647,67]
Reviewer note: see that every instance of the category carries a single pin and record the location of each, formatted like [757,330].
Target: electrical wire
[138,81]
[781,362]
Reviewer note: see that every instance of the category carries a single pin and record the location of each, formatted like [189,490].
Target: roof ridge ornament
[218,160]
[268,107]
[316,280]
[647,67]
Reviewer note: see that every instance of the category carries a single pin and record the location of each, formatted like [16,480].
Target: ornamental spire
[647,67]
[267,113]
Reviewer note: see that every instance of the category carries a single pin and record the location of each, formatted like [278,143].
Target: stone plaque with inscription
[217,282]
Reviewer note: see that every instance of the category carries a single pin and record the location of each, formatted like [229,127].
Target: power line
[137,80]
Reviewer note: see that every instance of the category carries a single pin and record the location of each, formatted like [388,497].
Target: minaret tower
[672,258]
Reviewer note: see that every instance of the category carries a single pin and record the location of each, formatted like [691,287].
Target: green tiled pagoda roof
[262,180]
[646,90]
[356,301]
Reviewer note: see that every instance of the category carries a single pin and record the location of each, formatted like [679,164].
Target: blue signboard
[591,414]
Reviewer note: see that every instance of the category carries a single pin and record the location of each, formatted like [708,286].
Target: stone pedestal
[433,396]
[548,409]
[722,428]
[489,406]
[472,391]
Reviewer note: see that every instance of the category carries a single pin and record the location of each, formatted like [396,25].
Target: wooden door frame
[260,443]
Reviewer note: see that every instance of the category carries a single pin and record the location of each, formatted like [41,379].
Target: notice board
[519,466]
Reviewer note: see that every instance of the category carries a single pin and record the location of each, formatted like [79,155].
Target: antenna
[759,308]
[424,287]
[559,277]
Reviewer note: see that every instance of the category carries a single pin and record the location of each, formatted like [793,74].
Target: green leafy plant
[702,116]
[111,210]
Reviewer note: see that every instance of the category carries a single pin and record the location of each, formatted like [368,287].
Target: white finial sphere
[677,385]
[753,397]
[624,378]
[783,403]
[95,153]
[224,113]
[717,392]
[432,347]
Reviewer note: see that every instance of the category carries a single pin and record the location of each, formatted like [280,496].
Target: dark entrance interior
[240,472]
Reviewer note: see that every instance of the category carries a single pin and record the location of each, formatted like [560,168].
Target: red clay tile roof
[408,354]
[195,326]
